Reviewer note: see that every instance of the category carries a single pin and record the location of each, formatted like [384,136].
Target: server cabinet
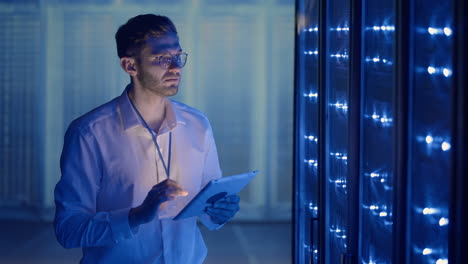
[377,131]
[306,199]
[377,169]
[430,132]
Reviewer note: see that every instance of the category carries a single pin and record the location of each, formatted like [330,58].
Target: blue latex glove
[224,209]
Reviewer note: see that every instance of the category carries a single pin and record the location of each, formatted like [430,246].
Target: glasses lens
[179,59]
[182,59]
[165,61]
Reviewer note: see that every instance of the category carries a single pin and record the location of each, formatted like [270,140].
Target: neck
[150,105]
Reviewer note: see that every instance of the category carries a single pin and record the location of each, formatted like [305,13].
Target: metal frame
[458,215]
[402,94]
[355,127]
[322,144]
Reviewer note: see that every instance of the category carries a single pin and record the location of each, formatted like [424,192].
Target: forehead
[167,43]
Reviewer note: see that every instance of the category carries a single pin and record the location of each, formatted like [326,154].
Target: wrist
[133,219]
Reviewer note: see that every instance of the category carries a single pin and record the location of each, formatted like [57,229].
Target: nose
[174,67]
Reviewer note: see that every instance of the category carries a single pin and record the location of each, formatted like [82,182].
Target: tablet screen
[215,190]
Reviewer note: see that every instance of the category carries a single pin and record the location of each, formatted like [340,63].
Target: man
[131,164]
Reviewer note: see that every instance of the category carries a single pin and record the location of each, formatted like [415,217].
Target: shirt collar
[130,118]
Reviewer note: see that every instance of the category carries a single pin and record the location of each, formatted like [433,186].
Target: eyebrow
[165,47]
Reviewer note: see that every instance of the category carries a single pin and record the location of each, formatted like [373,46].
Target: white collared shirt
[109,163]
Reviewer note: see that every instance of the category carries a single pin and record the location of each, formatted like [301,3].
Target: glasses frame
[175,59]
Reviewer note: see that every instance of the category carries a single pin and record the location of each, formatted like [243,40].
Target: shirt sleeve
[77,223]
[211,170]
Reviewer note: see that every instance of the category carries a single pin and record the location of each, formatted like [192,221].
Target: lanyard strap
[153,136]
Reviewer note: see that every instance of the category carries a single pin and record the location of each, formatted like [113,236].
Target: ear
[128,64]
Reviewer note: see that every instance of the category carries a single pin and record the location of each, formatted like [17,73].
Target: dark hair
[132,35]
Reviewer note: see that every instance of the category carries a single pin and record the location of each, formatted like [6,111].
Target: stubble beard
[158,87]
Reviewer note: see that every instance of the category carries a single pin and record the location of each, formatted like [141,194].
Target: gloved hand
[224,209]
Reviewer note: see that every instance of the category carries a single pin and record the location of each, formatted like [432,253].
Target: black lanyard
[153,135]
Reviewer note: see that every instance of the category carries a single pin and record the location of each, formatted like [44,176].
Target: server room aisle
[34,243]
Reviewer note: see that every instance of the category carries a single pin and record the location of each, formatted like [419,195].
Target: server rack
[379,128]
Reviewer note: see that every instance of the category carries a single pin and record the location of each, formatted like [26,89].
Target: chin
[172,91]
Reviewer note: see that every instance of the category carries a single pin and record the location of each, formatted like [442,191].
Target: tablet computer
[215,190]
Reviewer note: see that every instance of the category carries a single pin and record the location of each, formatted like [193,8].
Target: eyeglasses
[165,61]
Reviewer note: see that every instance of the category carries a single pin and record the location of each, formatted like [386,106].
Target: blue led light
[314,29]
[430,211]
[379,176]
[442,261]
[443,221]
[339,233]
[313,207]
[345,28]
[311,52]
[340,55]
[440,31]
[311,94]
[432,31]
[427,251]
[340,183]
[340,106]
[385,28]
[432,70]
[378,60]
[339,156]
[447,31]
[312,162]
[446,72]
[435,142]
[445,146]
[429,139]
[311,138]
[381,119]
